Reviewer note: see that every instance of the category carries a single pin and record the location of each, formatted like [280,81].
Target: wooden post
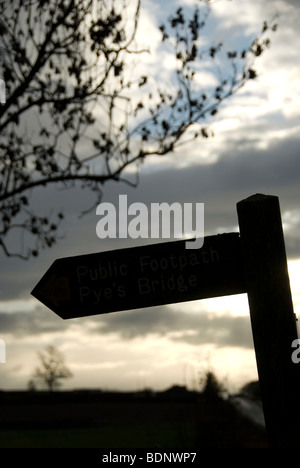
[272,317]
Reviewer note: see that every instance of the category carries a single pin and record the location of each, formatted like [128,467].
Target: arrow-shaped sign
[144,276]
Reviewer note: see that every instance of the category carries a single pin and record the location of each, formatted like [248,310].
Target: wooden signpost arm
[272,317]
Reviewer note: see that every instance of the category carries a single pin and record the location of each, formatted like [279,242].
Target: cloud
[179,325]
[24,324]
[174,323]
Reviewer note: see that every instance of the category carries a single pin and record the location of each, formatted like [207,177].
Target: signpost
[272,317]
[142,277]
[252,261]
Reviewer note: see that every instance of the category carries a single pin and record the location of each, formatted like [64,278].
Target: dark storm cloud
[30,323]
[295,3]
[192,328]
[178,325]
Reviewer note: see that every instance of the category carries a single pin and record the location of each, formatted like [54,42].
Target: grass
[71,420]
[132,436]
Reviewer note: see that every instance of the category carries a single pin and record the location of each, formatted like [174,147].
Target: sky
[255,150]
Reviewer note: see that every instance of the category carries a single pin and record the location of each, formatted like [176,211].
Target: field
[111,420]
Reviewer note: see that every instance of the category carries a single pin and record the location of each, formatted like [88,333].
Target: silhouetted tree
[74,112]
[212,388]
[52,369]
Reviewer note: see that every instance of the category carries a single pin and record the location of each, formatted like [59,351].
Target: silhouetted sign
[141,277]
[252,261]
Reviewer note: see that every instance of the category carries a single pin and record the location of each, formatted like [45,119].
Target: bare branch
[70,86]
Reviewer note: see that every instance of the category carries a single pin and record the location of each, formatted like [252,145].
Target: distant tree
[52,369]
[211,386]
[78,112]
[31,385]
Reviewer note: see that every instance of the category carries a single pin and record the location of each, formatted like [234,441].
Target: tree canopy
[77,110]
[52,369]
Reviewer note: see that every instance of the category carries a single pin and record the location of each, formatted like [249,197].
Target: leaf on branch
[258,51]
[143,81]
[118,67]
[212,52]
[24,200]
[252,74]
[164,34]
[138,107]
[165,125]
[232,55]
[179,19]
[204,133]
[265,27]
